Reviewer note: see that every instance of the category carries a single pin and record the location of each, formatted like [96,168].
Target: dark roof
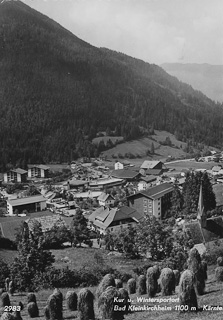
[103,217]
[155,192]
[149,178]
[156,172]
[212,232]
[124,174]
[147,164]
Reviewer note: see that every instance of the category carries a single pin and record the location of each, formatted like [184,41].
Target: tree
[152,148]
[79,230]
[32,260]
[125,241]
[191,189]
[154,237]
[176,202]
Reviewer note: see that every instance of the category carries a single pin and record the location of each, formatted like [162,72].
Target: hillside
[204,77]
[57,92]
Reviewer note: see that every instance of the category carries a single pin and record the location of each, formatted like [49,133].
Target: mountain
[204,77]
[57,92]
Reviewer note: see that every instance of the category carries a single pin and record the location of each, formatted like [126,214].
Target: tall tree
[32,260]
[79,230]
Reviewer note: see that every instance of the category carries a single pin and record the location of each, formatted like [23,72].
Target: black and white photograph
[111,159]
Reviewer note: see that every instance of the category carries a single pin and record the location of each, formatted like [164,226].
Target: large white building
[15,175]
[31,204]
[38,171]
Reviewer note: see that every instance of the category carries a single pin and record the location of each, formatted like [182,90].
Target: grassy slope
[213,297]
[141,146]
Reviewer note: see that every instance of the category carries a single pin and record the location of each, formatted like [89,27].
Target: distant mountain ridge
[57,92]
[204,77]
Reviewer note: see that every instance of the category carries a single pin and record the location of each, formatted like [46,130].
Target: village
[112,195]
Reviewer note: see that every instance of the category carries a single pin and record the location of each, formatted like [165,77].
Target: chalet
[204,230]
[151,168]
[126,174]
[114,220]
[146,182]
[38,171]
[15,175]
[154,201]
[106,199]
[31,204]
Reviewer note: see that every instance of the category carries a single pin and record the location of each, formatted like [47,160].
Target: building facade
[155,201]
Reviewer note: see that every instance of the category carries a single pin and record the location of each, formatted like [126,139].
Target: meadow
[212,297]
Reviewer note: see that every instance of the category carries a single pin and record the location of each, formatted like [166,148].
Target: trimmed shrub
[151,282]
[11,287]
[4,300]
[219,274]
[220,261]
[177,277]
[33,310]
[195,266]
[54,308]
[31,297]
[71,298]
[107,281]
[157,270]
[7,284]
[167,282]
[107,304]
[187,294]
[118,283]
[85,304]
[131,285]
[141,284]
[58,294]
[125,295]
[204,267]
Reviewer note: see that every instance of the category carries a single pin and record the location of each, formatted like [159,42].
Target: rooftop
[18,170]
[155,192]
[103,217]
[149,164]
[124,174]
[27,200]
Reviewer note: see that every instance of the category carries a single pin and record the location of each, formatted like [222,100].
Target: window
[145,210]
[145,202]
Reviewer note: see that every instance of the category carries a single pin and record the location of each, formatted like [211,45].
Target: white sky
[156,31]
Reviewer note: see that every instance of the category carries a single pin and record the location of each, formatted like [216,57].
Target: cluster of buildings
[151,187]
[149,196]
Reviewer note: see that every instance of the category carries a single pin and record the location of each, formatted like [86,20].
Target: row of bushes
[63,278]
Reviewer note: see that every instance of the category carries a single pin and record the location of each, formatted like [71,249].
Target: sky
[156,31]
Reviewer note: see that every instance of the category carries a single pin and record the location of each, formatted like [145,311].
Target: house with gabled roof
[154,201]
[15,175]
[106,199]
[151,167]
[113,219]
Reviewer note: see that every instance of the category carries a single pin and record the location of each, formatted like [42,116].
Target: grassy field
[212,297]
[141,146]
[186,164]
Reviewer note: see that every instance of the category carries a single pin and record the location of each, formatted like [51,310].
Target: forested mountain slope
[57,92]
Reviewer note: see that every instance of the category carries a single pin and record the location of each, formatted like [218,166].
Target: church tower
[201,214]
